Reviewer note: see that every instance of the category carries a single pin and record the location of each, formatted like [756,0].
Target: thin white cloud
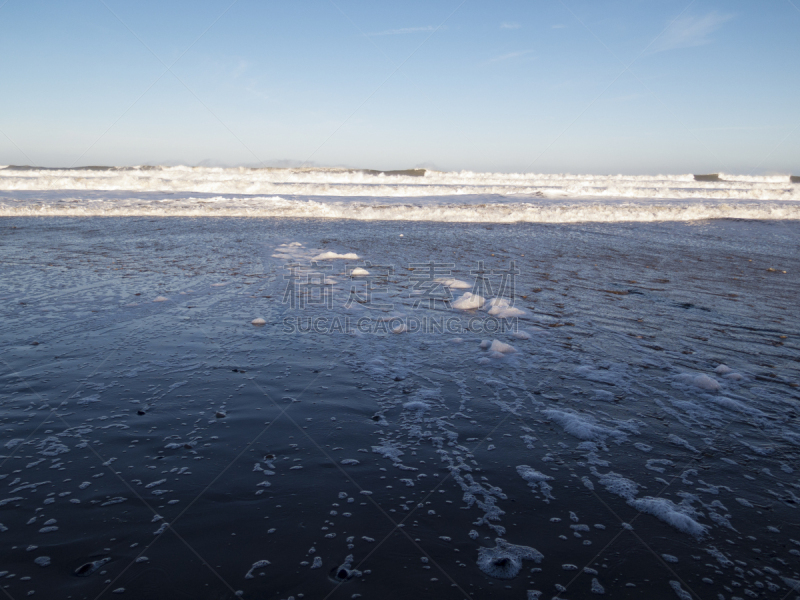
[509,56]
[507,25]
[257,93]
[240,68]
[405,30]
[688,32]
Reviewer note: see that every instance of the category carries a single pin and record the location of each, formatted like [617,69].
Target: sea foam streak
[412,195]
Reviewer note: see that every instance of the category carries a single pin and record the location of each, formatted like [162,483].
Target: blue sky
[504,86]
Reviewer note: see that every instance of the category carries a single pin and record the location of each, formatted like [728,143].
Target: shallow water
[121,414]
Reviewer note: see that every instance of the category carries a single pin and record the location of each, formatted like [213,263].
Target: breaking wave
[413,194]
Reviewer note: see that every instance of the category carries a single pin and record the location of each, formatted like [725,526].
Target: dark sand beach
[634,432]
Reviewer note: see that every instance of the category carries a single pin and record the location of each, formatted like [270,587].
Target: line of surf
[450,209]
[401,183]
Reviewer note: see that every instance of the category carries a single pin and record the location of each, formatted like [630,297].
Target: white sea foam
[504,561]
[462,196]
[704,382]
[334,255]
[536,478]
[349,182]
[503,348]
[454,284]
[469,301]
[579,426]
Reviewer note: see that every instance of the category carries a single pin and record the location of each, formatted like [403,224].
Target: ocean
[411,195]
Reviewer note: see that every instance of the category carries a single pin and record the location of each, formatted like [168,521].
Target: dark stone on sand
[401,172]
[88,568]
[709,177]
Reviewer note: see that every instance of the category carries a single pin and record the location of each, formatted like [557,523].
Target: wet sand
[651,389]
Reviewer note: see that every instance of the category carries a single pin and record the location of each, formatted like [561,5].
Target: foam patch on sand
[504,561]
[681,516]
[579,426]
[336,256]
[469,301]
